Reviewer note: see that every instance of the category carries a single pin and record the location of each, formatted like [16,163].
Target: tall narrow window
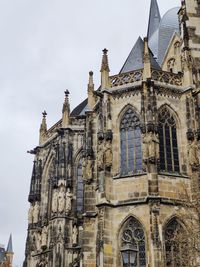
[169,159]
[175,246]
[131,149]
[79,189]
[133,244]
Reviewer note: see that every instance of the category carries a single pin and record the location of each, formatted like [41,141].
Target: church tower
[113,179]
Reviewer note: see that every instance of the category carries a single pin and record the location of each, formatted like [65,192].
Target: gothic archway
[132,245]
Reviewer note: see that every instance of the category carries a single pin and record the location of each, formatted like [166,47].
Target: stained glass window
[169,159]
[79,189]
[133,236]
[131,148]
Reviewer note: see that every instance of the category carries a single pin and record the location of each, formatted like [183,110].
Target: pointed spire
[91,99]
[43,128]
[66,110]
[9,247]
[146,60]
[105,70]
[154,18]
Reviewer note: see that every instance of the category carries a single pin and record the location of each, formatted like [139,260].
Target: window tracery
[174,247]
[133,235]
[177,48]
[171,65]
[169,158]
[131,148]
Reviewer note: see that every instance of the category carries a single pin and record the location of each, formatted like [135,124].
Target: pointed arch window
[133,238]
[175,245]
[79,189]
[131,148]
[169,158]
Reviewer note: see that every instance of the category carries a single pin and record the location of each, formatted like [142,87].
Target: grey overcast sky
[47,46]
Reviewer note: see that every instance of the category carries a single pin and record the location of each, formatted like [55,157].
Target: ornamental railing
[166,77]
[135,76]
[125,78]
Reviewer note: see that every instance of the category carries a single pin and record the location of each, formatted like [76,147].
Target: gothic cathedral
[108,178]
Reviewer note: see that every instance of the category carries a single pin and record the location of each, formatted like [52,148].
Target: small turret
[91,99]
[9,252]
[146,60]
[43,129]
[66,110]
[105,70]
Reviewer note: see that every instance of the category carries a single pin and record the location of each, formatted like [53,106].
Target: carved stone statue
[44,237]
[153,146]
[68,201]
[150,147]
[30,215]
[55,201]
[61,199]
[194,153]
[89,166]
[84,169]
[38,241]
[74,235]
[36,211]
[100,155]
[108,154]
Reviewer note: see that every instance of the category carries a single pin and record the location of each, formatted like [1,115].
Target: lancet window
[175,245]
[79,189]
[169,158]
[133,250]
[131,148]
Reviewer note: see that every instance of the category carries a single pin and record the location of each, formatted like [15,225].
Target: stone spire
[91,99]
[105,70]
[43,128]
[66,110]
[146,60]
[154,18]
[9,252]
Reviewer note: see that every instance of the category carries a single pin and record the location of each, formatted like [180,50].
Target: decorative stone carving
[36,211]
[55,201]
[44,236]
[61,199]
[150,148]
[108,154]
[194,153]
[100,156]
[38,241]
[30,215]
[74,235]
[68,201]
[88,169]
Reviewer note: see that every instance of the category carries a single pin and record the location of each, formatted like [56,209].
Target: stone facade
[108,177]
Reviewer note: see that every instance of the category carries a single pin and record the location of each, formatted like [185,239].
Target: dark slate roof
[9,247]
[135,58]
[154,18]
[168,26]
[80,109]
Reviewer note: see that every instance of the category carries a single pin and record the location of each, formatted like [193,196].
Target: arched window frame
[177,46]
[133,234]
[178,139]
[174,249]
[135,169]
[171,65]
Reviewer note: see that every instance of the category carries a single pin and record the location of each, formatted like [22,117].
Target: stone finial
[43,128]
[105,70]
[66,110]
[91,99]
[146,60]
